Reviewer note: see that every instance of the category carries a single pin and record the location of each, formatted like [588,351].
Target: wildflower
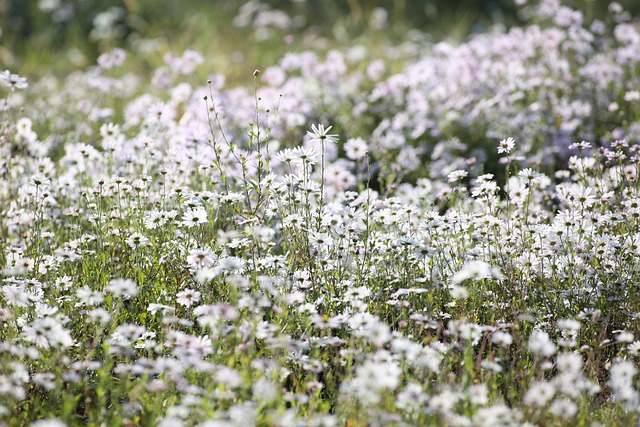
[23,264]
[188,297]
[486,189]
[154,219]
[122,287]
[13,81]
[99,315]
[16,295]
[632,95]
[186,64]
[319,134]
[444,402]
[491,365]
[165,309]
[40,181]
[175,420]
[470,332]
[46,332]
[563,408]
[229,377]
[89,297]
[580,146]
[583,197]
[378,334]
[624,337]
[232,265]
[232,197]
[539,393]
[569,324]
[303,155]
[456,175]
[359,293]
[245,413]
[372,377]
[531,177]
[205,275]
[264,390]
[194,217]
[634,348]
[307,309]
[320,240]
[355,148]
[622,373]
[125,335]
[459,292]
[287,155]
[569,363]
[137,240]
[48,422]
[541,345]
[112,59]
[502,339]
[476,270]
[45,380]
[495,415]
[506,145]
[201,258]
[67,254]
[478,394]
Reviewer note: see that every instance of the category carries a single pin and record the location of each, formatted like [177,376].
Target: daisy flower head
[122,287]
[539,393]
[88,297]
[194,217]
[634,348]
[13,81]
[530,176]
[46,332]
[506,145]
[355,148]
[319,134]
[40,181]
[188,297]
[540,344]
[502,339]
[624,337]
[303,155]
[137,240]
[201,258]
[476,270]
[232,264]
[456,175]
[580,146]
[286,155]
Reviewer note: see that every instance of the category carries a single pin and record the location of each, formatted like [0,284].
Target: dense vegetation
[381,228]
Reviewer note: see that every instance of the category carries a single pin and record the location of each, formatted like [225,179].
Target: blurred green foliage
[33,30]
[87,24]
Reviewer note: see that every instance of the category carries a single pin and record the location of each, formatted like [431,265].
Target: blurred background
[61,35]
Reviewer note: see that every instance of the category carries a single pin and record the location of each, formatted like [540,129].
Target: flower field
[435,234]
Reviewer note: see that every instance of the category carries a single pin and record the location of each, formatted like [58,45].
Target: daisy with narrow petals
[319,134]
[506,145]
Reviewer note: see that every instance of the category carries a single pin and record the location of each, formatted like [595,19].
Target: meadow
[375,231]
